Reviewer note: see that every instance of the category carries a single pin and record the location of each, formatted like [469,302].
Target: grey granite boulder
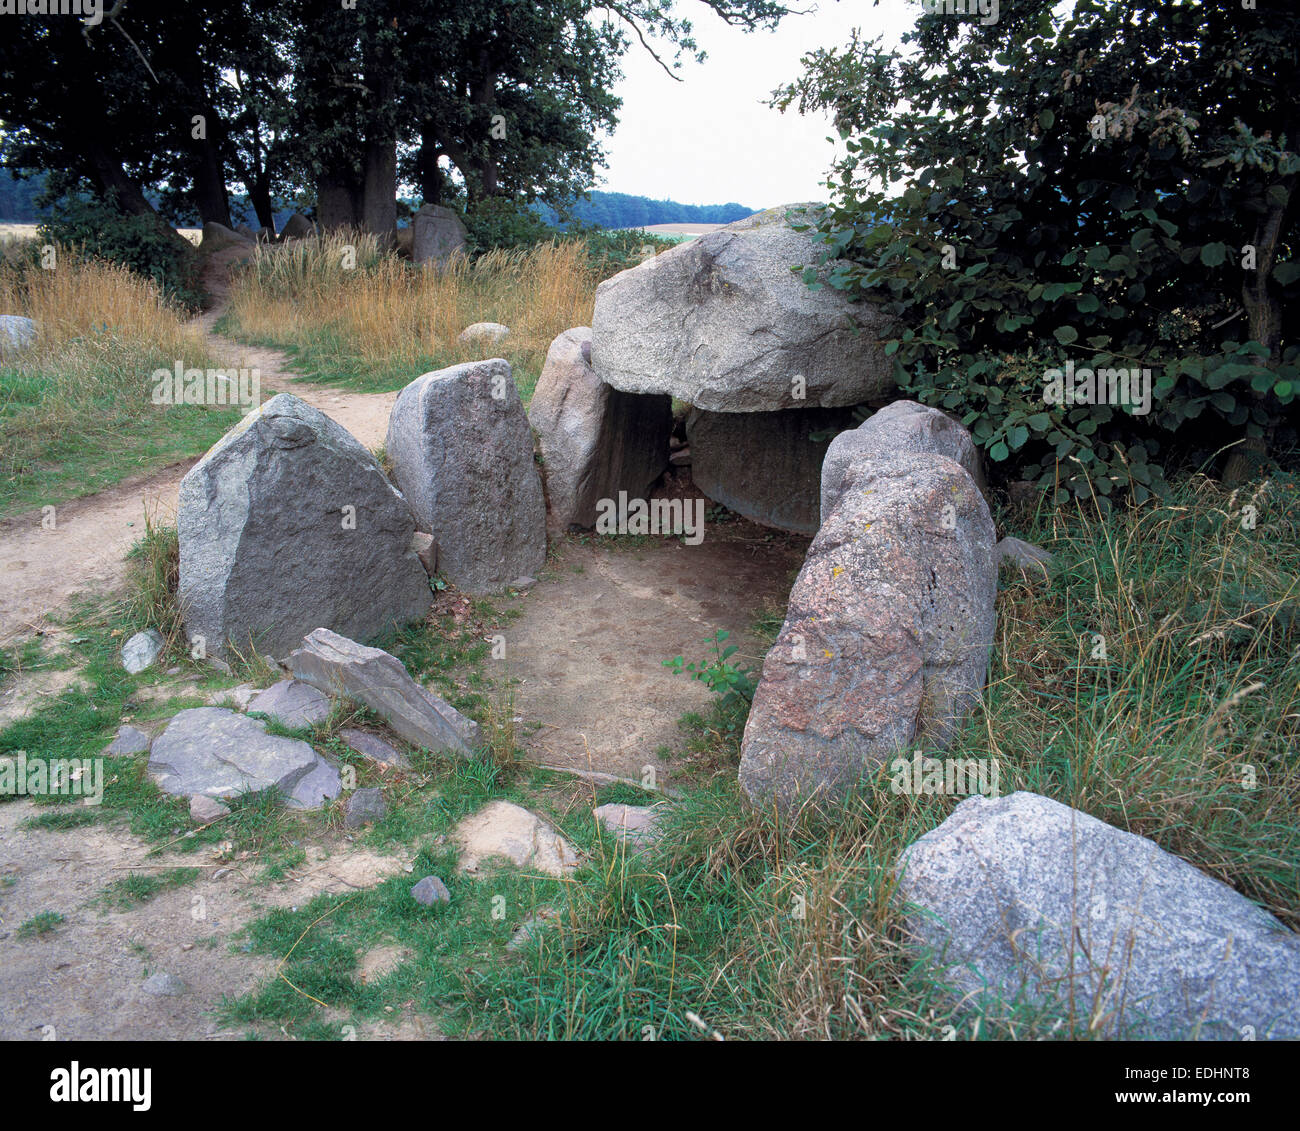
[898,428]
[1031,560]
[370,676]
[764,465]
[439,234]
[595,441]
[1026,901]
[462,452]
[288,524]
[218,753]
[292,703]
[16,333]
[483,334]
[142,650]
[297,227]
[129,740]
[886,638]
[363,807]
[724,324]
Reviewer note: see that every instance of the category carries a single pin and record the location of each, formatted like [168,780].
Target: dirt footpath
[590,647]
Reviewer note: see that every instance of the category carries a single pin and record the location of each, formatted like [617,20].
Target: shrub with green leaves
[100,231]
[1112,188]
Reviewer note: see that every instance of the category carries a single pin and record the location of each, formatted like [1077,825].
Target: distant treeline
[620,210]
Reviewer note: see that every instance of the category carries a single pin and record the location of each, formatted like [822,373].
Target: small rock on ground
[141,650]
[207,809]
[502,828]
[429,891]
[129,740]
[163,984]
[364,806]
[636,824]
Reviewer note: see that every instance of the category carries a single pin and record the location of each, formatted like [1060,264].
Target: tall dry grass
[80,398]
[384,321]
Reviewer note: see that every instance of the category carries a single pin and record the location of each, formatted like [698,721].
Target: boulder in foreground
[886,638]
[1025,901]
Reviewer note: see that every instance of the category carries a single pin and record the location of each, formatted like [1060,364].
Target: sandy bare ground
[589,648]
[84,980]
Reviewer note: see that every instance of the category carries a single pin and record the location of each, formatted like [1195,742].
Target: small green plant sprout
[731,681]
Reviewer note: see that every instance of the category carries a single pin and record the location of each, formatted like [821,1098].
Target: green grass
[86,456]
[38,926]
[137,888]
[738,925]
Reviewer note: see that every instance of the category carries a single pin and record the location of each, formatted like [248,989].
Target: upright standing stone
[439,235]
[1025,902]
[288,524]
[887,637]
[462,452]
[899,428]
[297,227]
[595,441]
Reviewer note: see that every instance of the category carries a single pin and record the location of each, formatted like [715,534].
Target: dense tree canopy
[1108,189]
[336,104]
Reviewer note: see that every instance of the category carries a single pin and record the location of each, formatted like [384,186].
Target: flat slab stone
[1025,900]
[370,676]
[218,753]
[292,703]
[371,746]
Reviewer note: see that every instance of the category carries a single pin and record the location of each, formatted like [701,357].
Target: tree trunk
[338,201]
[379,156]
[211,196]
[1264,314]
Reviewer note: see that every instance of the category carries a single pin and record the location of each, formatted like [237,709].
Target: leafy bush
[499,223]
[1045,211]
[100,231]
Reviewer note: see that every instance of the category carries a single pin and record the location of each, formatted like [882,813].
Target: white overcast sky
[710,139]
